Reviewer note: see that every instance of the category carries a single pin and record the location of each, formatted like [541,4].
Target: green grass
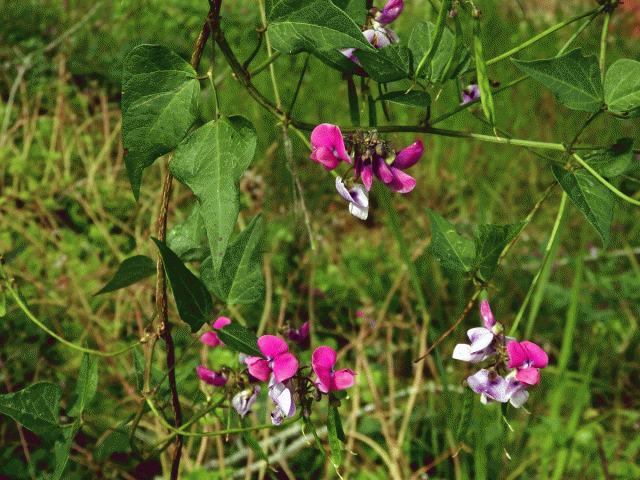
[67,219]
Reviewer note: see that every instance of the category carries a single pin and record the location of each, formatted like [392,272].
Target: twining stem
[16,298]
[553,240]
[604,182]
[161,326]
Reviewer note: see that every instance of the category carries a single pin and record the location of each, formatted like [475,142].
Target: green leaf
[3,304]
[387,64]
[86,387]
[159,104]
[62,447]
[419,43]
[356,9]
[486,97]
[592,198]
[313,26]
[238,338]
[309,425]
[130,271]
[251,440]
[450,248]
[239,280]
[334,426]
[622,88]
[354,104]
[35,407]
[414,98]
[466,416]
[573,79]
[210,161]
[490,242]
[615,160]
[186,239]
[193,300]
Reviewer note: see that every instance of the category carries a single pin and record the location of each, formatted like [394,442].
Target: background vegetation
[68,218]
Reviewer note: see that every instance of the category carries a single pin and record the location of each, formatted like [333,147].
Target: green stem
[31,317]
[264,64]
[579,31]
[440,24]
[553,241]
[540,36]
[604,182]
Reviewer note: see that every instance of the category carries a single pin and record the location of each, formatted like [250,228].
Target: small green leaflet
[450,248]
[573,78]
[238,338]
[490,241]
[159,104]
[130,271]
[187,239]
[239,280]
[387,64]
[622,88]
[86,387]
[36,407]
[414,98]
[592,198]
[615,160]
[193,300]
[486,97]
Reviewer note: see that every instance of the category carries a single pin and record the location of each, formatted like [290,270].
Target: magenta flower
[211,338]
[390,12]
[300,334]
[357,196]
[283,364]
[469,93]
[243,401]
[493,387]
[527,357]
[487,315]
[389,170]
[323,361]
[328,146]
[281,395]
[216,379]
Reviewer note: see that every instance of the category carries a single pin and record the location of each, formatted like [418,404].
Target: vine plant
[160,101]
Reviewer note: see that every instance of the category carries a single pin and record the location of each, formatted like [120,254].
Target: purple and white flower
[357,196]
[281,395]
[243,401]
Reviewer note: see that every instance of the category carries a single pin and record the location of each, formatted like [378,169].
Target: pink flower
[487,315]
[390,12]
[527,357]
[323,361]
[283,364]
[212,378]
[211,338]
[328,146]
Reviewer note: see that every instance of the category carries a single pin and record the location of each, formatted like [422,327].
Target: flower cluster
[281,369]
[378,34]
[520,360]
[370,156]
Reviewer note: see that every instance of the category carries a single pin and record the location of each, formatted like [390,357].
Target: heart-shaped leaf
[193,300]
[622,88]
[159,104]
[592,198]
[130,271]
[238,338]
[450,248]
[239,280]
[210,161]
[315,26]
[573,78]
[615,160]
[490,242]
[36,407]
